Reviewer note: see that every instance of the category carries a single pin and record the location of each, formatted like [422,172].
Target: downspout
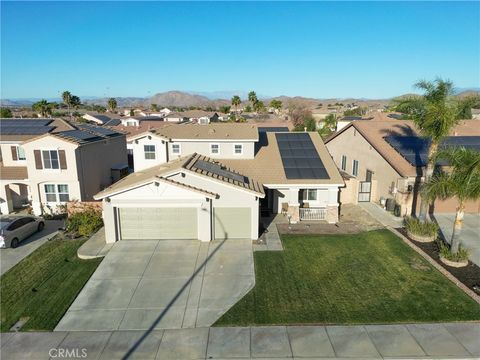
[212,235]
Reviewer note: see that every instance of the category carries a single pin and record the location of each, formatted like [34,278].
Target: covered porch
[301,203]
[14,189]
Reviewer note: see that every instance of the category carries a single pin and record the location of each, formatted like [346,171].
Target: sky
[312,49]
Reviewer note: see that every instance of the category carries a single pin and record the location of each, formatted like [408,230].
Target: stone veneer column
[294,213]
[332,214]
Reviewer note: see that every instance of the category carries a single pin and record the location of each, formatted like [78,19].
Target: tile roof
[267,166]
[216,131]
[375,131]
[13,172]
[161,172]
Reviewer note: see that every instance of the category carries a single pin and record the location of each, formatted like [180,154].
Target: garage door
[158,223]
[233,223]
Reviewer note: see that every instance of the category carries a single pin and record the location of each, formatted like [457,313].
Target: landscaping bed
[468,275]
[41,287]
[371,277]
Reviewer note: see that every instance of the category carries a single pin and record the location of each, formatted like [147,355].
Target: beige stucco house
[64,163]
[192,195]
[375,169]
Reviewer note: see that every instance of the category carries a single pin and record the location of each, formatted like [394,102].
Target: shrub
[84,223]
[427,228]
[461,255]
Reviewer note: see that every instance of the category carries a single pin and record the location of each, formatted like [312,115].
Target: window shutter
[63,159]
[38,159]
[14,153]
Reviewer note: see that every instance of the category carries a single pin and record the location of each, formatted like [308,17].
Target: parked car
[14,229]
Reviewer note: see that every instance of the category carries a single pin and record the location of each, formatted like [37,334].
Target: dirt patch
[468,275]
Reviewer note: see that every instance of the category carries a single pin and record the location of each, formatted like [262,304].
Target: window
[355,168]
[238,149]
[214,149]
[310,194]
[57,193]
[20,153]
[50,159]
[344,162]
[176,149]
[149,151]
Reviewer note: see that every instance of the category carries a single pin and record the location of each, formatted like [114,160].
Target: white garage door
[158,223]
[233,223]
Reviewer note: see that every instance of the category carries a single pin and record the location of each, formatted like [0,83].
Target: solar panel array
[79,135]
[101,131]
[25,126]
[415,149]
[218,170]
[300,157]
[273,129]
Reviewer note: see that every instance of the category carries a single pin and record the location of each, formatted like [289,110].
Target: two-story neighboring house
[215,181]
[57,164]
[220,141]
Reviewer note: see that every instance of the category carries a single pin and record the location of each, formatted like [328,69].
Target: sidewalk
[412,341]
[383,216]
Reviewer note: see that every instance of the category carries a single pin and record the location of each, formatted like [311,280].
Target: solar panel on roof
[24,122]
[79,135]
[25,130]
[218,170]
[273,129]
[300,157]
[415,149]
[98,130]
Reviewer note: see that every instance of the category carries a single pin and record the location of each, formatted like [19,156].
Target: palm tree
[435,113]
[236,101]
[43,107]
[112,104]
[67,100]
[462,181]
[252,97]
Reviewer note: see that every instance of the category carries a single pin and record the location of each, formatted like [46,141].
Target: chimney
[305,129]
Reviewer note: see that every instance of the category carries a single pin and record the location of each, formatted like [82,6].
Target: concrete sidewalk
[381,215]
[412,341]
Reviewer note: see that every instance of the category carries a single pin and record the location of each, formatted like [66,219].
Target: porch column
[293,206]
[5,201]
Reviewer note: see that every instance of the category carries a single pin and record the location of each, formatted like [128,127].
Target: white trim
[218,149]
[212,139]
[234,152]
[302,186]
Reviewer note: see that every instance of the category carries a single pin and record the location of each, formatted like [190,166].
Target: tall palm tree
[461,180]
[435,113]
[112,104]
[67,100]
[236,101]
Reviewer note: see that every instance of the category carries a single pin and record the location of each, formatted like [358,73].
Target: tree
[298,114]
[43,107]
[461,180]
[112,104]
[252,97]
[67,100]
[154,107]
[76,101]
[435,113]
[329,125]
[132,112]
[5,113]
[236,101]
[224,109]
[276,104]
[258,106]
[248,108]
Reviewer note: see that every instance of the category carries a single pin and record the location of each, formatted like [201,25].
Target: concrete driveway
[470,235]
[165,284]
[11,257]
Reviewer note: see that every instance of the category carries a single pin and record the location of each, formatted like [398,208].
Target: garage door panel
[158,223]
[233,223]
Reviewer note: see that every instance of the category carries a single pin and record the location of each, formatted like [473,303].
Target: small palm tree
[43,107]
[67,100]
[462,181]
[236,101]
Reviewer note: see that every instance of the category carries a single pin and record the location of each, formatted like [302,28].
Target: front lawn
[43,285]
[372,277]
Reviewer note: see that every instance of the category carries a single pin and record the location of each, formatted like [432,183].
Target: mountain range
[213,99]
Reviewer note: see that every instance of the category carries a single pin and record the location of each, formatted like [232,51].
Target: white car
[15,228]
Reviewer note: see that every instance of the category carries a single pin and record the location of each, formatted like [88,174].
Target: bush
[461,255]
[84,223]
[428,228]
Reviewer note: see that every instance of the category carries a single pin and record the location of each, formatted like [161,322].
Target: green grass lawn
[372,277]
[43,285]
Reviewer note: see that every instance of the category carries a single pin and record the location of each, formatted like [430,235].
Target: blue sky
[342,49]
